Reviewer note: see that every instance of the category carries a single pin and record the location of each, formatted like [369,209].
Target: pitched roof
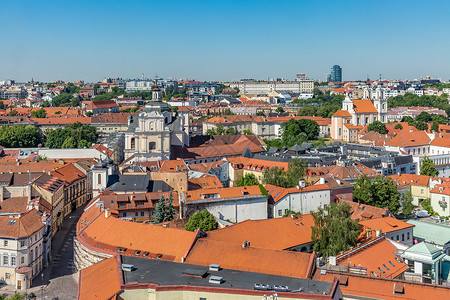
[24,226]
[107,234]
[411,179]
[275,233]
[409,139]
[99,104]
[443,189]
[95,287]
[205,181]
[364,211]
[441,142]
[277,193]
[431,232]
[342,113]
[24,167]
[255,164]
[364,106]
[387,224]
[377,256]
[173,166]
[343,172]
[223,193]
[251,259]
[102,149]
[68,173]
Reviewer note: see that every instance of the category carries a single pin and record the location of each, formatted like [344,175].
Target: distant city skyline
[223,41]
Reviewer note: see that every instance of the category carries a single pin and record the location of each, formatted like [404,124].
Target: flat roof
[431,232]
[167,273]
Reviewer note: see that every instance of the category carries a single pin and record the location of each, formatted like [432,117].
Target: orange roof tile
[223,193]
[377,256]
[109,233]
[409,139]
[411,179]
[95,287]
[364,106]
[277,193]
[343,172]
[206,181]
[342,113]
[443,189]
[387,224]
[276,233]
[441,142]
[254,164]
[364,211]
[69,173]
[173,166]
[250,259]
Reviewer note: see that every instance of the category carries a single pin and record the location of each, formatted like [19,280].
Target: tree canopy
[334,230]
[297,169]
[409,100]
[164,210]
[17,136]
[66,99]
[382,192]
[202,220]
[247,179]
[298,131]
[72,136]
[427,168]
[377,126]
[39,113]
[220,130]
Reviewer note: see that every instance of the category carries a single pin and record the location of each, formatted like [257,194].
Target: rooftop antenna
[380,76]
[142,76]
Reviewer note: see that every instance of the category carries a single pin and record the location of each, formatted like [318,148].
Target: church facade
[154,131]
[347,123]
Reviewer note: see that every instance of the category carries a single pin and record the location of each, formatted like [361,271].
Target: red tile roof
[387,224]
[222,193]
[95,287]
[409,139]
[443,189]
[250,259]
[275,233]
[411,179]
[364,211]
[342,113]
[441,142]
[254,164]
[364,106]
[278,193]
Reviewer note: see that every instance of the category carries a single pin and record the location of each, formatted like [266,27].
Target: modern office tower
[336,74]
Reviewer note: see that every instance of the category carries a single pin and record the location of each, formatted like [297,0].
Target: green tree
[69,142]
[297,169]
[202,220]
[260,113]
[298,131]
[89,114]
[78,131]
[230,131]
[39,113]
[170,210]
[317,92]
[398,126]
[160,209]
[407,206]
[377,126]
[307,110]
[382,192]
[427,168]
[247,132]
[334,230]
[247,179]
[435,127]
[426,205]
[12,113]
[279,109]
[17,136]
[84,144]
[2,105]
[291,212]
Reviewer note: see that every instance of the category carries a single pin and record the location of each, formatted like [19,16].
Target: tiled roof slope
[364,211]
[277,193]
[364,106]
[411,179]
[223,193]
[387,224]
[276,233]
[95,287]
[27,224]
[251,259]
[409,139]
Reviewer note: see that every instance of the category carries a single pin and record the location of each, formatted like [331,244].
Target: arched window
[133,143]
[99,180]
[5,259]
[151,146]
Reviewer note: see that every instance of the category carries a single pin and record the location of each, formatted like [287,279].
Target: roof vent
[214,267]
[261,287]
[128,267]
[245,244]
[281,288]
[215,279]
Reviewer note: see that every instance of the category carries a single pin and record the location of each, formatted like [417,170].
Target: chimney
[107,213]
[378,232]
[301,183]
[332,260]
[29,192]
[61,162]
[322,180]
[245,244]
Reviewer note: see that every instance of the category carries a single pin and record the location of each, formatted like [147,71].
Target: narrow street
[58,281]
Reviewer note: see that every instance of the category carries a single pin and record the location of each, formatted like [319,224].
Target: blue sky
[223,40]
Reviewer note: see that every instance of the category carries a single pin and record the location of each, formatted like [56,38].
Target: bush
[202,220]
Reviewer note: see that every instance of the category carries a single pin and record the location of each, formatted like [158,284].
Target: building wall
[404,236]
[233,209]
[301,202]
[85,257]
[177,180]
[440,204]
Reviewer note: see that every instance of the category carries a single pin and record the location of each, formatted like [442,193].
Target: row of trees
[409,100]
[74,135]
[20,136]
[220,130]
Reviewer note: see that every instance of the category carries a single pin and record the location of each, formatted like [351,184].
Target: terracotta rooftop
[173,166]
[443,189]
[275,233]
[343,172]
[206,181]
[441,142]
[342,113]
[377,257]
[364,211]
[364,106]
[69,173]
[24,226]
[409,139]
[95,287]
[277,193]
[223,193]
[251,259]
[387,224]
[411,179]
[254,164]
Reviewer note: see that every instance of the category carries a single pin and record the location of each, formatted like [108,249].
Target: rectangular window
[7,276]
[398,238]
[403,236]
[407,236]
[13,261]
[5,259]
[136,214]
[5,243]
[280,212]
[142,213]
[22,260]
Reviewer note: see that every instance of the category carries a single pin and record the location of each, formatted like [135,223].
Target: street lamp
[31,296]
